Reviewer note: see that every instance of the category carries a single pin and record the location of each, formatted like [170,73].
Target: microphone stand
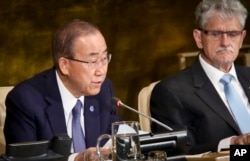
[148,117]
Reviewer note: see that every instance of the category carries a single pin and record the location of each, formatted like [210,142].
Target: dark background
[144,37]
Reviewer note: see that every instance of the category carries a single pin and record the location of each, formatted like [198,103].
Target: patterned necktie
[77,133]
[238,109]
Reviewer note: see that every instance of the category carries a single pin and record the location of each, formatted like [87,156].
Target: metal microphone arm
[148,117]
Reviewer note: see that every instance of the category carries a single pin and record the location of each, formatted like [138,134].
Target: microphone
[119,103]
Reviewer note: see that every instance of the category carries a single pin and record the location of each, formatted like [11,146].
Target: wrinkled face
[220,41]
[86,71]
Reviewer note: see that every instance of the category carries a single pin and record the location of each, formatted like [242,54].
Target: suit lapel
[56,117]
[54,111]
[244,78]
[92,120]
[207,92]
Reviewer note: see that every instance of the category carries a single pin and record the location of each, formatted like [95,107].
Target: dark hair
[65,37]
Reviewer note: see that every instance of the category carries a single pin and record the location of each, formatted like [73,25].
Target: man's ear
[197,38]
[63,64]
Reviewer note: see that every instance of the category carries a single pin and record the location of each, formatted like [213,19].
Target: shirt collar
[68,100]
[213,73]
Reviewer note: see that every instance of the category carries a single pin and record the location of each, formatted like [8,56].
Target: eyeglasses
[94,64]
[217,35]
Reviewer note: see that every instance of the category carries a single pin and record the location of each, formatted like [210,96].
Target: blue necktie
[238,109]
[77,134]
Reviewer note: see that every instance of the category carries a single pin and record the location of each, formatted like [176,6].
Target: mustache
[225,49]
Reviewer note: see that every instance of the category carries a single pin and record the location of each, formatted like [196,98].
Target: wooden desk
[221,156]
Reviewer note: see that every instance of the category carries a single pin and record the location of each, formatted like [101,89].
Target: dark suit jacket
[189,101]
[35,111]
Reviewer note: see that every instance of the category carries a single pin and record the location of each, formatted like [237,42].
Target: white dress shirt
[69,101]
[215,75]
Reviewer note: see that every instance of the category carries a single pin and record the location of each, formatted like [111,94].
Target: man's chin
[94,92]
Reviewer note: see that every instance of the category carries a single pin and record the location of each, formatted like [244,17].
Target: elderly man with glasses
[210,99]
[71,98]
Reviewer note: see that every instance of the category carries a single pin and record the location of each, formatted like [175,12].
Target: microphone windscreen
[116,101]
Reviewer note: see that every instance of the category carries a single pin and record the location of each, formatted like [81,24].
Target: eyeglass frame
[217,35]
[97,62]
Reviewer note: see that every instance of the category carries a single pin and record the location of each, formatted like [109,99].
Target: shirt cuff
[224,144]
[72,157]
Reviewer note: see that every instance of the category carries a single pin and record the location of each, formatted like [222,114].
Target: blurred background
[144,37]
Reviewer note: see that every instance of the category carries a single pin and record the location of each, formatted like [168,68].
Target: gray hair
[224,8]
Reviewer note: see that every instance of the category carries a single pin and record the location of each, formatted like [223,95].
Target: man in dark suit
[41,107]
[194,99]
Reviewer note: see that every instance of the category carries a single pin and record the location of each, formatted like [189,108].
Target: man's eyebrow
[95,53]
